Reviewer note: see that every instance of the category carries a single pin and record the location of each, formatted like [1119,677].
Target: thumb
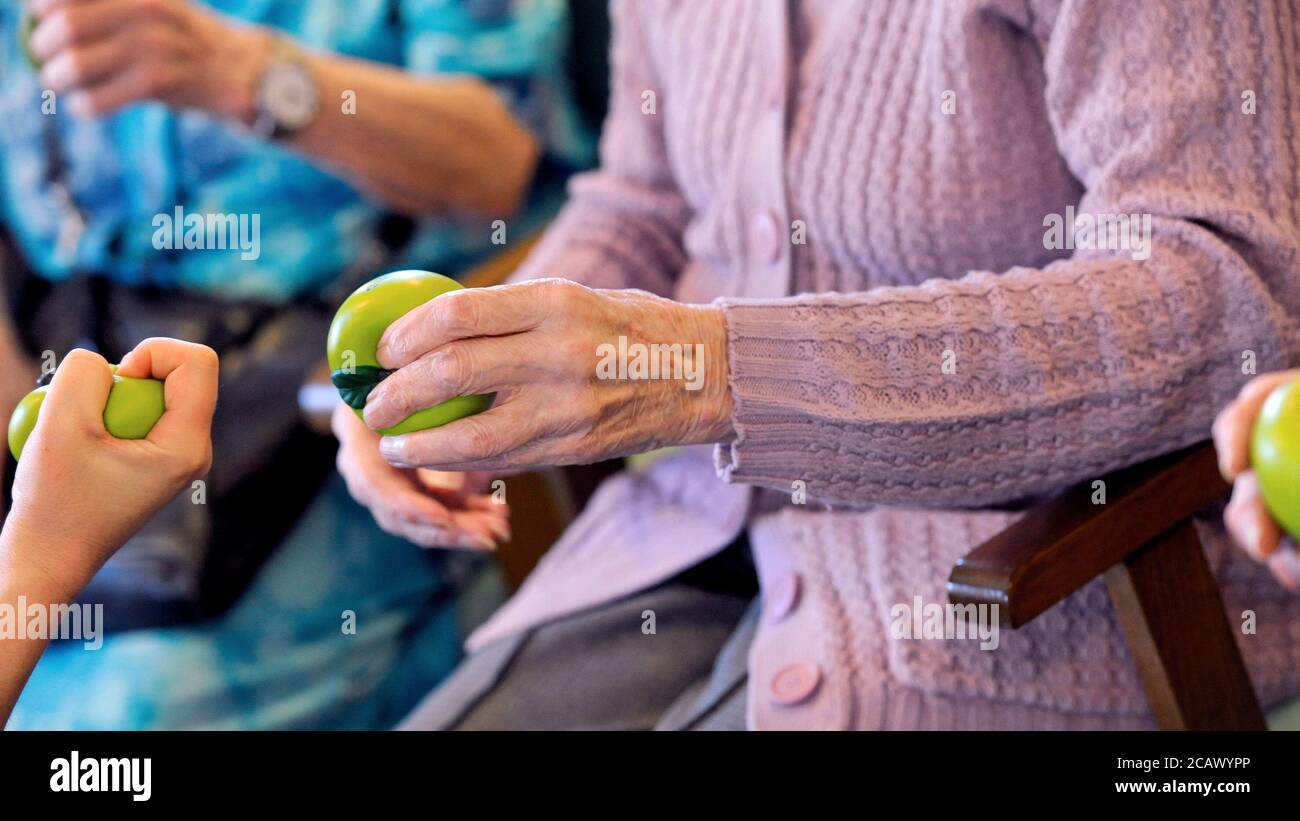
[79,391]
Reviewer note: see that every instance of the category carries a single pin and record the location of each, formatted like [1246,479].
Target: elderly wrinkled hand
[579,374]
[1246,516]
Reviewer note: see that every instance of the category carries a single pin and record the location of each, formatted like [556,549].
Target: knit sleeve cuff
[773,437]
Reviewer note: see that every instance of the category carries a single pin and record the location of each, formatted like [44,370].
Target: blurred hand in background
[431,508]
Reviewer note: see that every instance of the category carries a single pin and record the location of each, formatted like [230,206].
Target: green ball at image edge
[134,406]
[358,326]
[1275,456]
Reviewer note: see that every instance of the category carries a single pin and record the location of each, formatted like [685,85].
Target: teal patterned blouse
[147,160]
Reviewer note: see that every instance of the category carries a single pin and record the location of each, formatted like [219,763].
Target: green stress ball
[25,30]
[1275,455]
[354,336]
[133,406]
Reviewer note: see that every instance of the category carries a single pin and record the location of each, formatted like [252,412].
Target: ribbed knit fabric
[923,347]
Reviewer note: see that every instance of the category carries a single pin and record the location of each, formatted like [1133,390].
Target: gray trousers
[603,669]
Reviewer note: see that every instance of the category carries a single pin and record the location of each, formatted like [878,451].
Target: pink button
[765,237]
[796,683]
[783,597]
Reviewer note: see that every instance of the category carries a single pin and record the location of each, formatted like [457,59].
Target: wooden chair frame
[1143,541]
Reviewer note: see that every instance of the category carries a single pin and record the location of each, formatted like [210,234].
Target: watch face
[289,95]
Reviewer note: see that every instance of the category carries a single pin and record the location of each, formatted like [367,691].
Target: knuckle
[452,367]
[79,357]
[479,440]
[399,394]
[202,356]
[460,312]
[207,357]
[564,294]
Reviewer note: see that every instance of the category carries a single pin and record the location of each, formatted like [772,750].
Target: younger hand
[80,492]
[1246,517]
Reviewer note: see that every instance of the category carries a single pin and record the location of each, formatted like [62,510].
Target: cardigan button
[796,683]
[765,237]
[783,597]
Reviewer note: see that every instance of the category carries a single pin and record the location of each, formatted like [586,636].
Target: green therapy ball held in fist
[133,406]
[1275,455]
[354,335]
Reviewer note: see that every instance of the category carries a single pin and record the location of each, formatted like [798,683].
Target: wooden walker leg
[1169,605]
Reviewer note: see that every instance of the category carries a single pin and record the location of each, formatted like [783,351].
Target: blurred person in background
[337,139]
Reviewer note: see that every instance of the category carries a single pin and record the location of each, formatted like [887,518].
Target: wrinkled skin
[536,345]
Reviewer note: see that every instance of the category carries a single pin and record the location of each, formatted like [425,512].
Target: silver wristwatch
[286,99]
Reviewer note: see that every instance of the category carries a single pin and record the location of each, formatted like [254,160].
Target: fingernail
[476,541]
[393,450]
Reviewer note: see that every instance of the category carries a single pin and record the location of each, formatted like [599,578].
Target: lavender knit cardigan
[909,344]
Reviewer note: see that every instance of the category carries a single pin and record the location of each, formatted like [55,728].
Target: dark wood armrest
[1064,543]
